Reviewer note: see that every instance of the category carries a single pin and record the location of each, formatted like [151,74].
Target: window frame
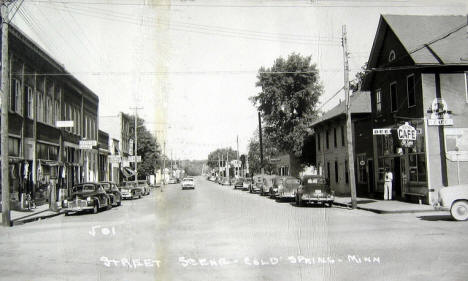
[336,172]
[327,138]
[29,102]
[394,83]
[414,90]
[378,101]
[335,140]
[342,135]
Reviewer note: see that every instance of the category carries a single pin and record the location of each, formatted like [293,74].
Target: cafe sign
[406,134]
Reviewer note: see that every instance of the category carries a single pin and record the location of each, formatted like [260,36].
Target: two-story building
[332,145]
[417,74]
[42,93]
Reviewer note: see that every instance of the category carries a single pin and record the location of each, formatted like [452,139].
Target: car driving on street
[188,183]
[314,189]
[86,197]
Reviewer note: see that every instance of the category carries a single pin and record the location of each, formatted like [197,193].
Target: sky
[190,66]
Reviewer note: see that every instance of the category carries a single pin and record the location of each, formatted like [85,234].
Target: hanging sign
[64,124]
[439,113]
[133,158]
[114,158]
[406,134]
[384,131]
[87,144]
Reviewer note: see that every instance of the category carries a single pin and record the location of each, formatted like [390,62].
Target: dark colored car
[287,191]
[130,191]
[314,189]
[113,191]
[239,183]
[86,197]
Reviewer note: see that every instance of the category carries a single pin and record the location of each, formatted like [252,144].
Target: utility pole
[262,170]
[227,164]
[349,131]
[164,165]
[237,168]
[6,218]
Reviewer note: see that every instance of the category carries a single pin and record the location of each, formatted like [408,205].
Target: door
[370,175]
[403,174]
[396,186]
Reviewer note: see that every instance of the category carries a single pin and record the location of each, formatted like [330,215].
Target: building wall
[453,90]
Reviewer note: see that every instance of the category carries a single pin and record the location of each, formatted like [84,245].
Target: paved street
[217,233]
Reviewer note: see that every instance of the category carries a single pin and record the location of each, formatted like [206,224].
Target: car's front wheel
[95,208]
[459,210]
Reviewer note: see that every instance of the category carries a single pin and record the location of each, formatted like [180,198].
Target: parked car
[86,196]
[278,182]
[454,198]
[172,180]
[267,185]
[188,182]
[145,188]
[247,183]
[212,178]
[225,181]
[257,184]
[287,191]
[130,191]
[239,183]
[113,191]
[314,189]
[219,179]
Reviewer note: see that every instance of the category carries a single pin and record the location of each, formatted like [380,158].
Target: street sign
[114,159]
[132,159]
[382,131]
[64,124]
[87,144]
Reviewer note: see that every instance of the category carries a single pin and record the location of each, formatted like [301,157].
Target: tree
[219,154]
[147,148]
[288,101]
[354,85]
[269,152]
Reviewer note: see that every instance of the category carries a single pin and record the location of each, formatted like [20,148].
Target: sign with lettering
[87,144]
[114,158]
[132,158]
[64,124]
[439,113]
[406,134]
[382,131]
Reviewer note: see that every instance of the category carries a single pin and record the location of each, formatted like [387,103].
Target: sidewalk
[41,212]
[383,206]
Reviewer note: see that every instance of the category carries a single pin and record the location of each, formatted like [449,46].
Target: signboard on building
[439,113]
[64,124]
[87,144]
[406,134]
[236,163]
[132,159]
[384,131]
[114,158]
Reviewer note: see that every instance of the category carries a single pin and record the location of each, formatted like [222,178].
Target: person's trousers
[388,190]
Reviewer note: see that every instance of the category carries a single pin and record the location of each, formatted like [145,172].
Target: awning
[127,172]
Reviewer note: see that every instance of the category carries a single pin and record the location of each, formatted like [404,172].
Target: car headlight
[89,199]
[65,201]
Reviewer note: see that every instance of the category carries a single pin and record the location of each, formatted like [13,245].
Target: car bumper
[286,196]
[313,199]
[188,186]
[127,196]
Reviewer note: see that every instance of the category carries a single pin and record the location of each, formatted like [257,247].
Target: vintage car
[188,183]
[172,180]
[130,191]
[212,178]
[86,197]
[278,182]
[247,183]
[257,184]
[144,186]
[454,198]
[314,189]
[267,184]
[225,181]
[287,191]
[113,191]
[239,183]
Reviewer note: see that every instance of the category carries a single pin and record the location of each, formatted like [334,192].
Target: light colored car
[455,199]
[188,183]
[247,184]
[267,185]
[287,191]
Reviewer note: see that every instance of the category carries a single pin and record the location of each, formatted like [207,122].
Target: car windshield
[314,181]
[83,188]
[248,180]
[106,186]
[293,181]
[188,179]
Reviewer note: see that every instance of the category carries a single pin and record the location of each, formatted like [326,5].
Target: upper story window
[393,97]
[335,141]
[15,96]
[327,139]
[391,56]
[378,101]
[29,102]
[410,89]
[342,136]
[56,112]
[40,107]
[318,142]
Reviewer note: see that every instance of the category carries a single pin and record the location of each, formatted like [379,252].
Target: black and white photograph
[234,140]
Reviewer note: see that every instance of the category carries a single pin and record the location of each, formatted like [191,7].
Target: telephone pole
[349,131]
[136,142]
[262,170]
[6,218]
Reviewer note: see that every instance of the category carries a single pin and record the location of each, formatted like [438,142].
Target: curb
[377,211]
[32,217]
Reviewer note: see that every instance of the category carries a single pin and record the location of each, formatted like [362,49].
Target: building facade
[417,77]
[44,157]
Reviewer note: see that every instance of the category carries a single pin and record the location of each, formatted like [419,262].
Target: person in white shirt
[388,184]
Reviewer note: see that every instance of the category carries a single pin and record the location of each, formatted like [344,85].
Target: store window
[336,172]
[393,97]
[417,168]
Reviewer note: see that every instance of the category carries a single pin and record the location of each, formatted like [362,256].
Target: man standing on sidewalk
[388,184]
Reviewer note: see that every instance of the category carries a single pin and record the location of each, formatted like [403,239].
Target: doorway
[370,175]
[397,177]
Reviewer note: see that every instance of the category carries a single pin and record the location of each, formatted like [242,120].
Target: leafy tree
[193,167]
[358,79]
[288,101]
[219,154]
[147,148]
[253,156]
